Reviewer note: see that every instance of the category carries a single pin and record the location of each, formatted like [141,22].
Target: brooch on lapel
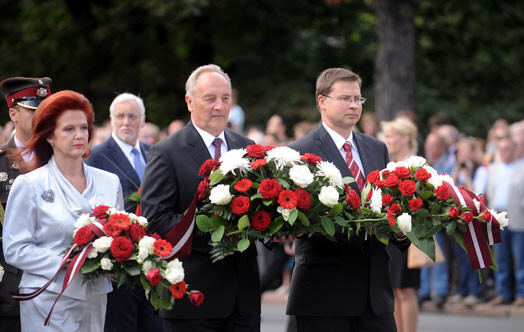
[15,166]
[48,196]
[3,176]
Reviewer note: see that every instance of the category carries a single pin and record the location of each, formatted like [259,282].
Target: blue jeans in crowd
[469,283]
[436,275]
[511,247]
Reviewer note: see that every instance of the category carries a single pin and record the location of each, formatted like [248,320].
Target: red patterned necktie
[353,167]
[217,142]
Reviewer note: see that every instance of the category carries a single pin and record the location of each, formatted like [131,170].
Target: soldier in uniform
[23,95]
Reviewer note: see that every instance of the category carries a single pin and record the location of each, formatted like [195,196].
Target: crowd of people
[60,159]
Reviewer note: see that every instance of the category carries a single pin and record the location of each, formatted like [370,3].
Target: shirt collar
[126,148]
[209,138]
[338,139]
[18,144]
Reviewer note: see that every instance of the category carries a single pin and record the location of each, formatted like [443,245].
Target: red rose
[162,248]
[407,187]
[391,217]
[482,199]
[370,194]
[256,151]
[442,192]
[121,248]
[208,166]
[154,277]
[136,232]
[373,176]
[178,290]
[261,220]
[203,189]
[422,174]
[415,204]
[121,220]
[287,199]
[402,172]
[387,199]
[395,208]
[385,173]
[453,213]
[100,212]
[112,229]
[391,181]
[467,217]
[196,297]
[304,200]
[311,158]
[353,199]
[155,236]
[243,185]
[258,163]
[83,236]
[240,205]
[379,184]
[269,189]
[486,216]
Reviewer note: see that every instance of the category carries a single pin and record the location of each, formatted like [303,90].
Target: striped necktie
[353,167]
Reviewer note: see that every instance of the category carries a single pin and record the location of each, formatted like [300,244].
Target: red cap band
[29,92]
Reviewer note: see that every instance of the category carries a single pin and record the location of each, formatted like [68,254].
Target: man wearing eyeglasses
[122,154]
[23,95]
[344,284]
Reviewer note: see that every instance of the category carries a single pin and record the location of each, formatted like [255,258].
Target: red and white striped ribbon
[181,235]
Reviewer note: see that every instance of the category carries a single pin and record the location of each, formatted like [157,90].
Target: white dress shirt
[127,148]
[208,141]
[339,143]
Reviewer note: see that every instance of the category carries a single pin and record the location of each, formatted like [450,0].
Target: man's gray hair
[191,81]
[125,97]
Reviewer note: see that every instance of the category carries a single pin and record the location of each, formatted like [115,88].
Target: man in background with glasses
[23,95]
[343,285]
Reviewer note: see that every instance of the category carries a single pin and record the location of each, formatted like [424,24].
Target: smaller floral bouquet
[411,197]
[260,192]
[114,243]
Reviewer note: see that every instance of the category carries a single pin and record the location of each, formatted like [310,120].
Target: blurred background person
[149,134]
[43,208]
[302,128]
[237,116]
[400,136]
[276,131]
[7,132]
[517,136]
[370,124]
[256,134]
[451,135]
[101,133]
[412,116]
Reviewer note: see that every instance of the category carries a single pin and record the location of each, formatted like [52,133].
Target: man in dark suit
[231,285]
[123,155]
[344,285]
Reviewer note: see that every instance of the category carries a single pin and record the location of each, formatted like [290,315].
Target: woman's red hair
[44,123]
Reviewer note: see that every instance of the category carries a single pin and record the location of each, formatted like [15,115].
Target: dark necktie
[353,167]
[217,142]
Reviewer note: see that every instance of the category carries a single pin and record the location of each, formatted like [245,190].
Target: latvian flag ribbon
[479,235]
[181,235]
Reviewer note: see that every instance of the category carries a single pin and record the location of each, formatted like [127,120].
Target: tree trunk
[395,76]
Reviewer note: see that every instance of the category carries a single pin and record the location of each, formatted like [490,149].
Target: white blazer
[41,211]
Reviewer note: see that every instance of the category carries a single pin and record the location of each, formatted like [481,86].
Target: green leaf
[292,217]
[90,265]
[341,221]
[255,196]
[133,270]
[275,225]
[243,222]
[204,223]
[451,227]
[122,279]
[165,304]
[216,177]
[303,218]
[217,221]
[426,195]
[134,197]
[348,180]
[283,183]
[267,202]
[336,210]
[145,284]
[154,300]
[365,193]
[218,233]
[243,244]
[382,237]
[425,245]
[328,225]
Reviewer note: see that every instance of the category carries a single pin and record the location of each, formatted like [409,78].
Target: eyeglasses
[348,100]
[122,116]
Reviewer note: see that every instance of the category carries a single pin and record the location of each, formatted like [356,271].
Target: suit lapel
[328,147]
[363,152]
[115,153]
[195,143]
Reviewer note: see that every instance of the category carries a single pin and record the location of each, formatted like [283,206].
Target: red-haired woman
[42,208]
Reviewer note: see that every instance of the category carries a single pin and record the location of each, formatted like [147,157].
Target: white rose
[83,220]
[376,200]
[1,272]
[106,264]
[328,196]
[284,212]
[390,166]
[146,266]
[415,162]
[92,253]
[141,221]
[174,271]
[220,195]
[501,218]
[435,180]
[301,175]
[143,253]
[102,244]
[112,210]
[132,216]
[147,242]
[447,178]
[329,171]
[404,222]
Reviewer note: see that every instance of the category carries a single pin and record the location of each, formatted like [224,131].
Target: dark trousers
[367,322]
[234,323]
[129,311]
